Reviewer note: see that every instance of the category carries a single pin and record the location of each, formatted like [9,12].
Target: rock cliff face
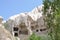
[4,34]
[24,24]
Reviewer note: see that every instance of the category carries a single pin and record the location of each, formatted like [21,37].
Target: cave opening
[15,28]
[37,30]
[16,34]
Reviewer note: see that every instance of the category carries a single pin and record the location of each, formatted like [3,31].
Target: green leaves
[52,20]
[34,37]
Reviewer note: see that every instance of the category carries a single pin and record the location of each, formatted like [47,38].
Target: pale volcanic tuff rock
[4,34]
[30,21]
[35,14]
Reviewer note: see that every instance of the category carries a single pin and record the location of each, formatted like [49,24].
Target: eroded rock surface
[24,24]
[4,34]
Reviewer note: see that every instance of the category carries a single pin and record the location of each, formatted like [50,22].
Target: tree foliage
[52,17]
[34,37]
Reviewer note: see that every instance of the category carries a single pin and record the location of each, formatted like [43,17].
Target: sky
[12,7]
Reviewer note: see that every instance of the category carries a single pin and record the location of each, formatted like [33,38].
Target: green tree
[52,17]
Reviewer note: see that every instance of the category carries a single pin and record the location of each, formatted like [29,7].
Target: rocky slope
[31,21]
[33,15]
[5,34]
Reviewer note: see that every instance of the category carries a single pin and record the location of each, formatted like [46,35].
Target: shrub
[34,37]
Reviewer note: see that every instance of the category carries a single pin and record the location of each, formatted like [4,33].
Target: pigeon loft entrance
[15,28]
[16,34]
